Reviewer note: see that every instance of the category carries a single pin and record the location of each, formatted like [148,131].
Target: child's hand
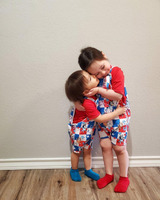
[121,110]
[79,106]
[92,92]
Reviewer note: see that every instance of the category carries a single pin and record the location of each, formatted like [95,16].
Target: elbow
[119,97]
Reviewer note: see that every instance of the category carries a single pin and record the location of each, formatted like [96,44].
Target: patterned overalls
[116,129]
[81,133]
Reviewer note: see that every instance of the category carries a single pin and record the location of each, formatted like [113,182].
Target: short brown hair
[88,56]
[75,86]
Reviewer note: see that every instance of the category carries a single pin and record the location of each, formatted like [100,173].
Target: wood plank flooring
[56,185]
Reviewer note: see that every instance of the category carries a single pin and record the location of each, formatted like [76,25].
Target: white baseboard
[65,163]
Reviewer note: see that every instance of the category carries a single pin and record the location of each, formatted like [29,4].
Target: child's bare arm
[109,116]
[109,94]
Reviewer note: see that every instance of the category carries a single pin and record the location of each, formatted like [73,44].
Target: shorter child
[82,125]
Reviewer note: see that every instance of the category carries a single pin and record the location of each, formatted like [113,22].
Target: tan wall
[40,44]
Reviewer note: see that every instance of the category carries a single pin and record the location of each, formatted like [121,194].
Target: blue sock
[91,174]
[75,176]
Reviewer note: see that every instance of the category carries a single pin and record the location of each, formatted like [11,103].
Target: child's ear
[85,92]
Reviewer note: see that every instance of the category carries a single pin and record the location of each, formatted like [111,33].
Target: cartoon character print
[117,128]
[81,133]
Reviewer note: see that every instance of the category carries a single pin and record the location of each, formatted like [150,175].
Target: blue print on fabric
[88,137]
[89,141]
[125,91]
[116,122]
[79,125]
[91,124]
[115,134]
[76,136]
[76,148]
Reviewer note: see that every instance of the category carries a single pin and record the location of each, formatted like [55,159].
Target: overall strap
[95,101]
[109,78]
[71,115]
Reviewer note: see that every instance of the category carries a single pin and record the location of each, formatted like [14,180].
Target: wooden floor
[57,185]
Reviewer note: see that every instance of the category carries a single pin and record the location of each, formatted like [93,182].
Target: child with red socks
[82,125]
[111,92]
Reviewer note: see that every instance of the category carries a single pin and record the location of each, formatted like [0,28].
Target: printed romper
[116,129]
[81,133]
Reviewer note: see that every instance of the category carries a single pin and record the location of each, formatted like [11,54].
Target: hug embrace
[100,103]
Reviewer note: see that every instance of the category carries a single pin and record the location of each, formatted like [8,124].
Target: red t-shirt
[90,111]
[118,82]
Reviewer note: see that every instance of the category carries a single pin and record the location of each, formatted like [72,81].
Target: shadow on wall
[129,143]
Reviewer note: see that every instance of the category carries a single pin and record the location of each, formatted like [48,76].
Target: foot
[91,174]
[75,176]
[102,182]
[122,185]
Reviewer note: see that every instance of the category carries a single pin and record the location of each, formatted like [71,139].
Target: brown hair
[88,56]
[75,86]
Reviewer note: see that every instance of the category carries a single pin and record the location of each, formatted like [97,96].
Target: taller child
[111,91]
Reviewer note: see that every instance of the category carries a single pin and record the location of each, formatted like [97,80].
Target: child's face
[92,81]
[99,68]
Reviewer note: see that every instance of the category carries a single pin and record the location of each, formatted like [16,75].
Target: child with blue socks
[82,124]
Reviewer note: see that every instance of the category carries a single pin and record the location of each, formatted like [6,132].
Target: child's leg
[74,172]
[108,163]
[75,160]
[122,156]
[87,164]
[87,158]
[107,155]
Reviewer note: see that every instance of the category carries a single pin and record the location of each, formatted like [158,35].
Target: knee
[119,149]
[86,151]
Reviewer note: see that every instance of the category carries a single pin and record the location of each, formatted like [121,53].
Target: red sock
[122,184]
[102,182]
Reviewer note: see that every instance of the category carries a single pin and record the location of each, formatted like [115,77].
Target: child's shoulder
[89,100]
[116,70]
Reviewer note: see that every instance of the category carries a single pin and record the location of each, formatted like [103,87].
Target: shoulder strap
[95,101]
[90,98]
